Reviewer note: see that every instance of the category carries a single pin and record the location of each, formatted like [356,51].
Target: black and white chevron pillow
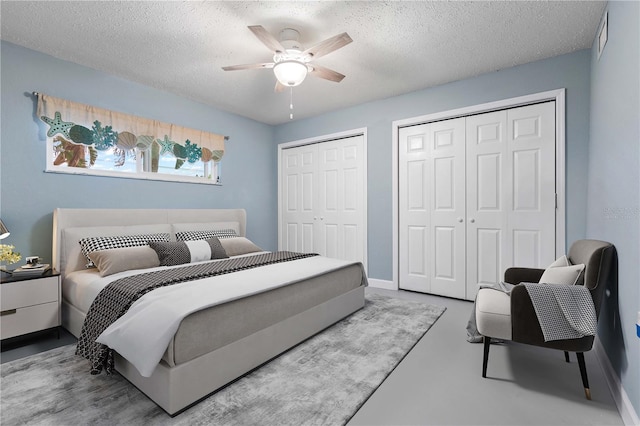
[91,244]
[205,235]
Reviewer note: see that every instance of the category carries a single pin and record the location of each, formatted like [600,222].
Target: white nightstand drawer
[29,319]
[28,293]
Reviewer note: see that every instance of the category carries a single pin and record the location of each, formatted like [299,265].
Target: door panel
[526,191]
[417,254]
[443,186]
[488,183]
[416,200]
[489,252]
[350,184]
[307,238]
[292,237]
[307,191]
[444,243]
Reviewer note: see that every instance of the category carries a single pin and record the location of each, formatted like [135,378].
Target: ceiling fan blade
[279,87]
[249,66]
[266,38]
[326,73]
[328,46]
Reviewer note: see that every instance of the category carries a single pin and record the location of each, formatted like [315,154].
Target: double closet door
[323,199]
[476,196]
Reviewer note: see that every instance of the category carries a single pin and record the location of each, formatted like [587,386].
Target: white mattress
[80,288]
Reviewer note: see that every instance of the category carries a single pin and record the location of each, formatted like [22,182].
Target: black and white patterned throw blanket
[563,311]
[115,299]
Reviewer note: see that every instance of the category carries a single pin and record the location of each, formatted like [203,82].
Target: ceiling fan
[290,62]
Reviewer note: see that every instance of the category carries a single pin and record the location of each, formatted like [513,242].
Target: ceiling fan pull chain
[291,105]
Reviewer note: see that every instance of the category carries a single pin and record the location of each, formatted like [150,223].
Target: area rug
[322,381]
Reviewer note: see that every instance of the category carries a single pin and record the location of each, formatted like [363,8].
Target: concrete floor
[439,382]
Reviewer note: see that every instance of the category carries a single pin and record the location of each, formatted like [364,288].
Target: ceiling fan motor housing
[289,39]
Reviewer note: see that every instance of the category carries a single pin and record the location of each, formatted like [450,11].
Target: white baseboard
[385,284]
[625,408]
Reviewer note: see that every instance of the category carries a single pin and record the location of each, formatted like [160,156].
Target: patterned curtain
[79,126]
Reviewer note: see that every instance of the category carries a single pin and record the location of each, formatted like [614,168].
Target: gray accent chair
[512,317]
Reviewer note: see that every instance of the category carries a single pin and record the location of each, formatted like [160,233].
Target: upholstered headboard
[69,225]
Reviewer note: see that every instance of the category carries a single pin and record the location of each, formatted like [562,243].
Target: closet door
[446,186]
[339,217]
[299,182]
[414,208]
[323,199]
[531,176]
[510,192]
[432,208]
[476,196]
[488,199]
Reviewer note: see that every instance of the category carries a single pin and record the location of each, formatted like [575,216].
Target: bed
[249,330]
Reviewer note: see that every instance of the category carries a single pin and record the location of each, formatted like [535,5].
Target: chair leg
[485,358]
[583,373]
[566,356]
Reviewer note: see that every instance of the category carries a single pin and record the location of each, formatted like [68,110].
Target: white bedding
[144,332]
[81,287]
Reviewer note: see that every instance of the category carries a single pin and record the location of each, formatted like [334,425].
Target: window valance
[81,135]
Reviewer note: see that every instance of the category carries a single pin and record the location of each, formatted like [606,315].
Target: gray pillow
[116,260]
[238,245]
[181,252]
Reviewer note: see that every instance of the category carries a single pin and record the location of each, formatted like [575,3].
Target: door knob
[460,220]
[321,218]
[315,218]
[472,220]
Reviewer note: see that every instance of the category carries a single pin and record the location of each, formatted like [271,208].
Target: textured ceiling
[398,47]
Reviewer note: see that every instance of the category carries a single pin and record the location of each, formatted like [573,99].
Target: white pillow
[561,261]
[561,272]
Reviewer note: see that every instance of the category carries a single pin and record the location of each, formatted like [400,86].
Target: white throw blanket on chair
[564,311]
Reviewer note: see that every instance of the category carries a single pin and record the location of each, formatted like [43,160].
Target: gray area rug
[322,381]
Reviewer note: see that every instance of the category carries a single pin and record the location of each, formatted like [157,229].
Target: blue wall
[569,71]
[28,196]
[614,184]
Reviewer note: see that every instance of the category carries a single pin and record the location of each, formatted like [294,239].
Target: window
[92,141]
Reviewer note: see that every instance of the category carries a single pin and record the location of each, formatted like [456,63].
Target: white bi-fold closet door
[476,195]
[323,204]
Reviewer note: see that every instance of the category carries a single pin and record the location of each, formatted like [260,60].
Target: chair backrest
[600,260]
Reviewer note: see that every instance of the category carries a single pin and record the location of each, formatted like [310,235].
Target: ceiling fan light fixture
[290,73]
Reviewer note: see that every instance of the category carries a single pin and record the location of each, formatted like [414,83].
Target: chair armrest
[525,327]
[522,275]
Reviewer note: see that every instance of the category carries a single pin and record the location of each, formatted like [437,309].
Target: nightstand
[29,304]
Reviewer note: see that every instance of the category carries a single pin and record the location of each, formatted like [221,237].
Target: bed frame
[176,388]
